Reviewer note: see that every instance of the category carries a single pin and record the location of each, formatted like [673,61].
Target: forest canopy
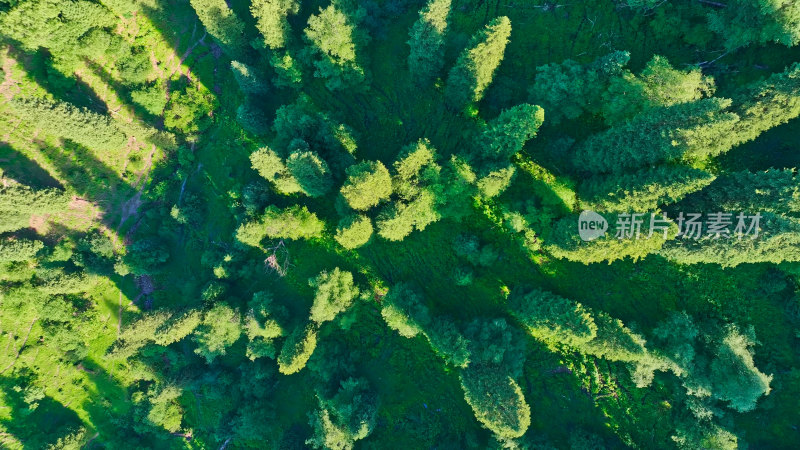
[340,224]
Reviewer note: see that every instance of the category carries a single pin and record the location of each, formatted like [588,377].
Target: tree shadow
[23,169]
[34,421]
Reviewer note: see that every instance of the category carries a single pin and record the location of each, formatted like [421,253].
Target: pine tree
[507,133]
[294,222]
[697,129]
[497,401]
[774,191]
[354,231]
[426,41]
[767,104]
[368,183]
[221,23]
[310,171]
[269,165]
[734,376]
[89,129]
[246,78]
[335,293]
[404,311]
[19,202]
[271,21]
[347,417]
[399,219]
[335,43]
[474,69]
[744,22]
[550,317]
[565,242]
[644,190]
[220,328]
[263,324]
[778,240]
[53,24]
[297,348]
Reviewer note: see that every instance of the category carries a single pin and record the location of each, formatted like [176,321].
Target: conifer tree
[775,191]
[644,190]
[335,293]
[697,129]
[426,41]
[220,328]
[497,401]
[507,133]
[271,21]
[247,79]
[778,240]
[354,231]
[550,317]
[743,22]
[310,171]
[335,45]
[19,202]
[221,23]
[368,183]
[89,129]
[297,348]
[294,222]
[475,68]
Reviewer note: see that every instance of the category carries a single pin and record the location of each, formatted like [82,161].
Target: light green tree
[475,67]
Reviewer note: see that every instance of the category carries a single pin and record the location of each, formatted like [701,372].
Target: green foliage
[64,120]
[269,165]
[294,222]
[151,98]
[189,111]
[262,325]
[735,379]
[772,191]
[354,231]
[565,242]
[221,23]
[19,202]
[401,218]
[426,40]
[271,21]
[310,171]
[744,22]
[336,41]
[776,242]
[53,24]
[497,401]
[245,76]
[404,311]
[449,342]
[549,317]
[508,132]
[297,348]
[220,328]
[644,190]
[19,250]
[347,417]
[701,128]
[334,293]
[368,183]
[495,343]
[475,67]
